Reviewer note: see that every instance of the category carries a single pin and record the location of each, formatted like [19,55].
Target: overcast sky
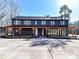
[47,7]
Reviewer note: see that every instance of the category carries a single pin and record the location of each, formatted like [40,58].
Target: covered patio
[54,32]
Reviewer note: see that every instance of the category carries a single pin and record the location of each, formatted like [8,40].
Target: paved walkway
[23,49]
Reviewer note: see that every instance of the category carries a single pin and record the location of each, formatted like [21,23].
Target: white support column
[36,32]
[42,32]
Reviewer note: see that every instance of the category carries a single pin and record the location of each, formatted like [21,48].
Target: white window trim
[27,22]
[62,22]
[17,22]
[35,22]
[52,22]
[43,22]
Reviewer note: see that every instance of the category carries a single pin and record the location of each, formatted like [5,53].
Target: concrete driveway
[23,49]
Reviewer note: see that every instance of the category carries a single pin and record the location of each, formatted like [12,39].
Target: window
[52,31]
[17,22]
[52,22]
[63,32]
[49,31]
[27,22]
[62,23]
[35,22]
[43,23]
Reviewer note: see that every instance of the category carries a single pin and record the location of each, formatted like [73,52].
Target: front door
[41,32]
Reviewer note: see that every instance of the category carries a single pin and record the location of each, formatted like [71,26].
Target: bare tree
[14,9]
[8,10]
[2,7]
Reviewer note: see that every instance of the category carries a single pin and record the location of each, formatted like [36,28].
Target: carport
[26,31]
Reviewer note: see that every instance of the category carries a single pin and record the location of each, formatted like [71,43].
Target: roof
[37,18]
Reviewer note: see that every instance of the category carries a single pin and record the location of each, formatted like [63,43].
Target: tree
[2,7]
[2,13]
[13,9]
[65,11]
[8,10]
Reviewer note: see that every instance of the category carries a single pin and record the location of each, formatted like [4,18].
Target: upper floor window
[43,23]
[27,22]
[62,22]
[35,22]
[52,22]
[17,22]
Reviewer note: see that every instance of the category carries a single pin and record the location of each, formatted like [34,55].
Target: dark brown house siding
[45,26]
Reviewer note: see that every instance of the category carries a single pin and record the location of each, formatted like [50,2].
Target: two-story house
[36,26]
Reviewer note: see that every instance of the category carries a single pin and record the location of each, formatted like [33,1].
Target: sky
[47,7]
